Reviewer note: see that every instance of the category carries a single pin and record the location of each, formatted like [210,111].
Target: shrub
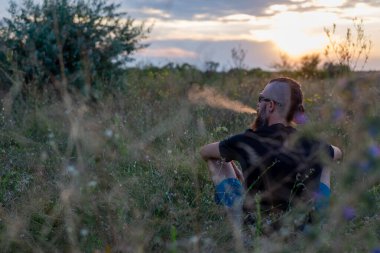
[77,40]
[309,65]
[351,51]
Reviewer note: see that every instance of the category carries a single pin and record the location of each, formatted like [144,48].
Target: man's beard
[261,119]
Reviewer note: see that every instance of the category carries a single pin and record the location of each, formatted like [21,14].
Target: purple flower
[373,131]
[365,165]
[338,114]
[300,118]
[374,150]
[349,213]
[377,250]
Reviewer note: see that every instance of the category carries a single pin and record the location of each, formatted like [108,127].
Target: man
[280,170]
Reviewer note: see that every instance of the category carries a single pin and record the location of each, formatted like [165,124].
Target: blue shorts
[323,197]
[229,192]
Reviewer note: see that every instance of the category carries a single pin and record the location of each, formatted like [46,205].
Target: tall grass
[123,174]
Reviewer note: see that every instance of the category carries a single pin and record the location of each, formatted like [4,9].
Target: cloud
[173,52]
[224,28]
[214,8]
[280,26]
[259,54]
[203,16]
[276,8]
[291,35]
[237,18]
[155,12]
[363,10]
[213,27]
[328,3]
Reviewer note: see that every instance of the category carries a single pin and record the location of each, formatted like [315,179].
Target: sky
[199,31]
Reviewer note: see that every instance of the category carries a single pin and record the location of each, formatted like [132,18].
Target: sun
[296,44]
[294,33]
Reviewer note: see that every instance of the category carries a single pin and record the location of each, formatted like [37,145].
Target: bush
[77,40]
[349,52]
[309,65]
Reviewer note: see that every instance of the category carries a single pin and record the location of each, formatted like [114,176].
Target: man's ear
[271,106]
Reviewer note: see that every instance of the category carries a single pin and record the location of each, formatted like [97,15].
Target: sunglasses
[262,98]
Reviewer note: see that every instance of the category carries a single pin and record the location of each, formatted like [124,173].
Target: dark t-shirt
[278,167]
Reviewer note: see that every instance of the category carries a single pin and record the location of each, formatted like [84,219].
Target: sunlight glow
[237,18]
[296,33]
[289,30]
[166,52]
[329,3]
[201,16]
[364,10]
[276,8]
[224,28]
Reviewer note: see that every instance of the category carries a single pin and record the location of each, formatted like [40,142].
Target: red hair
[296,97]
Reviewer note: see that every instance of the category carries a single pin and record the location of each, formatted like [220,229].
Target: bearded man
[279,168]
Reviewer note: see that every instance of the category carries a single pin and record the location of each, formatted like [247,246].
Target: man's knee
[220,170]
[229,193]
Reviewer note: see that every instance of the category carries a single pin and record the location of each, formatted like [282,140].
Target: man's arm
[326,171]
[210,151]
[337,153]
[238,172]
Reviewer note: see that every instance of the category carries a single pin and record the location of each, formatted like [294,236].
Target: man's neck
[273,121]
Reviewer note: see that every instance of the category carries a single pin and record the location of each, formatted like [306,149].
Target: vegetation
[351,51]
[124,175]
[82,41]
[341,55]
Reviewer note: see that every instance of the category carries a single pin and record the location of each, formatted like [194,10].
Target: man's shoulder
[277,132]
[312,145]
[247,138]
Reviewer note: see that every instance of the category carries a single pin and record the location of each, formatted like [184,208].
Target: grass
[123,174]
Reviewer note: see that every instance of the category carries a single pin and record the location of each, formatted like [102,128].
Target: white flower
[108,133]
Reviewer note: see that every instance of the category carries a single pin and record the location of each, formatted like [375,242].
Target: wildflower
[194,239]
[221,129]
[108,133]
[92,183]
[349,213]
[373,131]
[301,118]
[374,150]
[365,165]
[84,232]
[338,114]
[43,156]
[72,170]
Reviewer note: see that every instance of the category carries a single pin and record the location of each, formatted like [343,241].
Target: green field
[122,173]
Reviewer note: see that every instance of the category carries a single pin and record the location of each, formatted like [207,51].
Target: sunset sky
[197,31]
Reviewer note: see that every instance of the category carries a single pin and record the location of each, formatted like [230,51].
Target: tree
[350,51]
[309,65]
[76,40]
[211,66]
[285,64]
[238,56]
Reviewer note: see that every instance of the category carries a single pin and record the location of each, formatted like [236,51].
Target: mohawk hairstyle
[296,97]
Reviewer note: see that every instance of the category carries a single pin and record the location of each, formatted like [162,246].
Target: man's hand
[210,151]
[238,173]
[337,153]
